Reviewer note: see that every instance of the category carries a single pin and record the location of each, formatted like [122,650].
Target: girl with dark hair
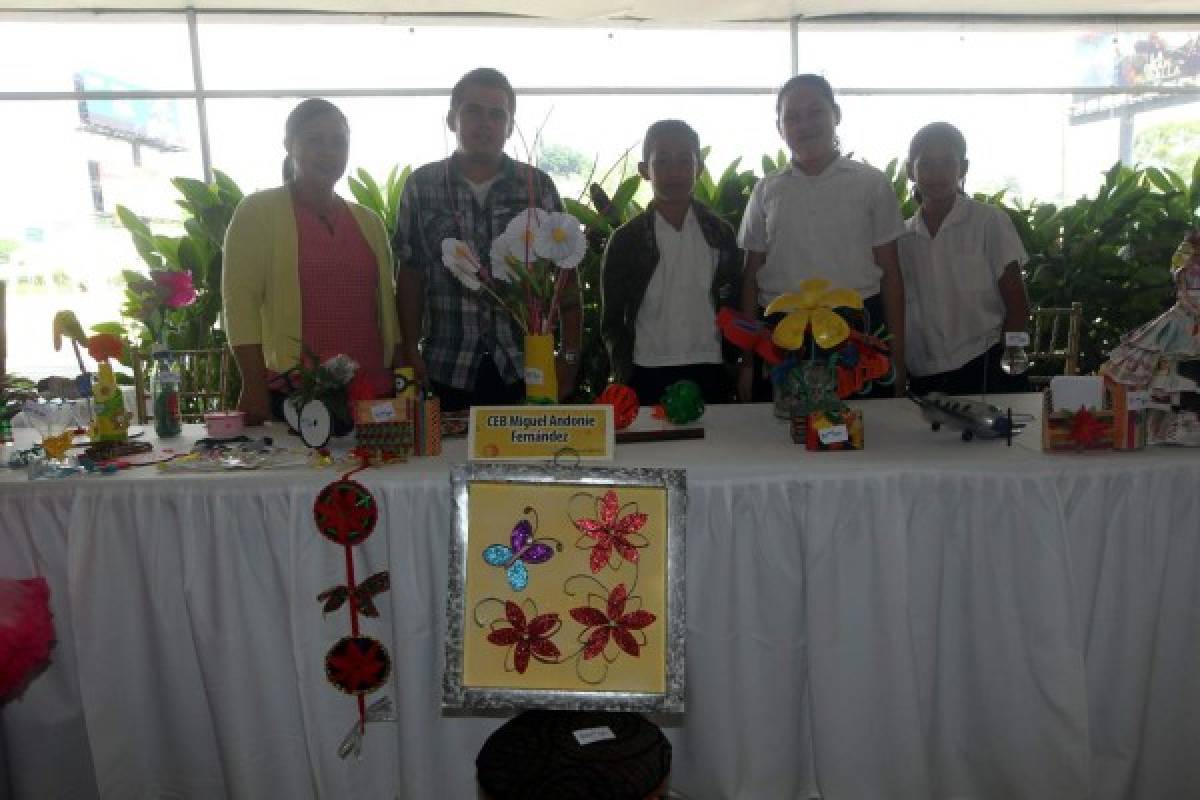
[307,272]
[961,261]
[822,216]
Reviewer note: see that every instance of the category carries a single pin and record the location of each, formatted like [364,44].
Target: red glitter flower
[345,512]
[615,624]
[1086,429]
[357,664]
[613,532]
[532,639]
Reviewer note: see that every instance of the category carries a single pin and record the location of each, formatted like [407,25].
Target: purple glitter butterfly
[525,550]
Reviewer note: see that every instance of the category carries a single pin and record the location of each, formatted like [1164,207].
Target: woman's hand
[410,356]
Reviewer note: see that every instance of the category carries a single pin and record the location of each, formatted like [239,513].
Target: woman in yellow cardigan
[305,271]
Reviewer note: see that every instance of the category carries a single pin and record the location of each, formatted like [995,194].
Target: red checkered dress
[339,291]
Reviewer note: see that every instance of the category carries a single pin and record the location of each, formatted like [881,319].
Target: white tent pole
[794,41]
[201,108]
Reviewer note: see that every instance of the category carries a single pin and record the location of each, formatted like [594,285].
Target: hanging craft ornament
[345,513]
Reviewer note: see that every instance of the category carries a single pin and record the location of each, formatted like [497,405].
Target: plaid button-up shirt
[460,326]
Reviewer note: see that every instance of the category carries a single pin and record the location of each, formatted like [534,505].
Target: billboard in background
[149,122]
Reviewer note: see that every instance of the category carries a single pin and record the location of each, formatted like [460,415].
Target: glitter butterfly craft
[525,549]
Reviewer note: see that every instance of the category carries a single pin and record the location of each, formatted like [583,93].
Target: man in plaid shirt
[472,353]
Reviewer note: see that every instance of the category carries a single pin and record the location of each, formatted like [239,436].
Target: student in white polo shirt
[824,216]
[962,275]
[665,274]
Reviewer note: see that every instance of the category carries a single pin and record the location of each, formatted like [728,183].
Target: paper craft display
[838,429]
[427,425]
[1162,357]
[681,403]
[561,596]
[345,513]
[819,344]
[110,419]
[1083,428]
[624,401]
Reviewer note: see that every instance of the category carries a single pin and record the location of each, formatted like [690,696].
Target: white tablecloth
[925,619]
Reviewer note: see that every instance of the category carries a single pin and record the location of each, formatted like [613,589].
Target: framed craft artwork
[566,588]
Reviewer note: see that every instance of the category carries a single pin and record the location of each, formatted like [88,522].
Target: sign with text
[540,433]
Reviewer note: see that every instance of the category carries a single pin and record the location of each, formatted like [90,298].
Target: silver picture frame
[458,696]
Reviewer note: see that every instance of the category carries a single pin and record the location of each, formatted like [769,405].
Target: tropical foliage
[1110,251]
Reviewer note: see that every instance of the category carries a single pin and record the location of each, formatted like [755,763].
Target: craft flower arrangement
[527,270]
[151,299]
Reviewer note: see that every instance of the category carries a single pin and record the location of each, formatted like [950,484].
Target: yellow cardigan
[260,282]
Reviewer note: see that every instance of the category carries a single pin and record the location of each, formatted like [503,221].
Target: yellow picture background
[494,508]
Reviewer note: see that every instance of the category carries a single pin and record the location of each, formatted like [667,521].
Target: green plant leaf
[624,194]
[590,219]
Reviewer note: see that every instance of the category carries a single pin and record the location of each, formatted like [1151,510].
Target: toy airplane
[974,418]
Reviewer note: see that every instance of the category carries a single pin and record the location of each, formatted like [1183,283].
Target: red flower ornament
[610,531]
[615,625]
[527,639]
[1086,429]
[358,665]
[345,512]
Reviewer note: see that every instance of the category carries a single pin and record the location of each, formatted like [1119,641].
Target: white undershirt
[676,323]
[480,190]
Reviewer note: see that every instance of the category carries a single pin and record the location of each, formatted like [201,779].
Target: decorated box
[426,414]
[392,438]
[1129,415]
[383,410]
[841,429]
[1073,431]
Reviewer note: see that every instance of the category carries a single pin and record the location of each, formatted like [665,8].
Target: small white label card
[587,736]
[1016,339]
[1137,401]
[834,434]
[1073,392]
[383,412]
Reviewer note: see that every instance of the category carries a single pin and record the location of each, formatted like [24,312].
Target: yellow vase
[541,380]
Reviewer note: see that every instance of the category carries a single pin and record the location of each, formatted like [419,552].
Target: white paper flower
[459,259]
[522,232]
[342,368]
[498,258]
[561,240]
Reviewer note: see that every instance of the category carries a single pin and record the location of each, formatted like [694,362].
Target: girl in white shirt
[824,216]
[961,261]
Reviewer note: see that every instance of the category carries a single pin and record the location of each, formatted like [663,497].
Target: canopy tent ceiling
[663,11]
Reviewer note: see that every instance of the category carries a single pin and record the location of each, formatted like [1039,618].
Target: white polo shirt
[820,226]
[953,308]
[676,323]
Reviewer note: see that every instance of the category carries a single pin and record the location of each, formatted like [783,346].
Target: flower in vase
[500,257]
[342,368]
[561,240]
[462,263]
[175,287]
[521,234]
[813,306]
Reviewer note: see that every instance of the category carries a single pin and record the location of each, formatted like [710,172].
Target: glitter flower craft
[526,639]
[612,624]
[813,306]
[610,531]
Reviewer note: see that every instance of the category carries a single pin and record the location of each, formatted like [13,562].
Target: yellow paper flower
[813,306]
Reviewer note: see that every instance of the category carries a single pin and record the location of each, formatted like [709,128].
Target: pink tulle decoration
[26,632]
